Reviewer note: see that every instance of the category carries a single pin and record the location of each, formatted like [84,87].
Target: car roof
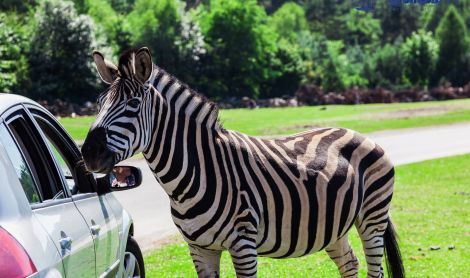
[9,100]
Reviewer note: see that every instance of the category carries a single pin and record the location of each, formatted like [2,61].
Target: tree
[156,24]
[122,6]
[397,21]
[288,21]
[419,53]
[16,5]
[454,46]
[242,47]
[386,67]
[107,24]
[360,28]
[60,56]
[172,35]
[13,46]
[286,71]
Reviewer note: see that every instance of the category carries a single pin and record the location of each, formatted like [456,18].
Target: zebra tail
[392,253]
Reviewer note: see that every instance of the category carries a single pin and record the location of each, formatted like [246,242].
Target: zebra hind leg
[206,262]
[244,257]
[343,256]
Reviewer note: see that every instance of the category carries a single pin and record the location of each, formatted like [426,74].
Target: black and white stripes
[279,198]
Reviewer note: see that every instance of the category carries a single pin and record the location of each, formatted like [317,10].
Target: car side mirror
[124,177]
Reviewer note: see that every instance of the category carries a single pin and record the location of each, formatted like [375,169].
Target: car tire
[133,260]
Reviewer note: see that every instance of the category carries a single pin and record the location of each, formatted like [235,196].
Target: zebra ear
[107,70]
[143,64]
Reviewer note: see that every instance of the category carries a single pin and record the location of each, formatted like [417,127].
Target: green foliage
[108,24]
[16,5]
[227,48]
[343,68]
[286,71]
[288,21]
[157,24]
[454,50]
[419,52]
[314,49]
[242,48]
[122,6]
[13,46]
[385,68]
[60,64]
[360,28]
[173,36]
[397,21]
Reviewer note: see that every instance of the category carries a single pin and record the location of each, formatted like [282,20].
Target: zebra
[279,198]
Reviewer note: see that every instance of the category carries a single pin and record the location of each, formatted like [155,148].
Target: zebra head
[123,124]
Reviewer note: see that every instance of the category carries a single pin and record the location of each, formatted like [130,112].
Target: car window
[21,168]
[64,168]
[33,150]
[65,153]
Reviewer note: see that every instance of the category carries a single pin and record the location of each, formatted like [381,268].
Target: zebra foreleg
[206,262]
[244,257]
[343,256]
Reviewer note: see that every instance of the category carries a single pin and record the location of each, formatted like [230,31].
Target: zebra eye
[134,103]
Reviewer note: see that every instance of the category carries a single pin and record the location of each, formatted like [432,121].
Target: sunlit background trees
[235,48]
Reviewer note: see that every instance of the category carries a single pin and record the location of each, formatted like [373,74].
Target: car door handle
[66,243]
[95,229]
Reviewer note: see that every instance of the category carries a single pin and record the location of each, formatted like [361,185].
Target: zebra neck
[185,126]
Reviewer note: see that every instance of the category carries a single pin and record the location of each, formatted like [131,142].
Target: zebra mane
[208,106]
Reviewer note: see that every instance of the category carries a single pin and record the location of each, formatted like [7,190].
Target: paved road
[149,204]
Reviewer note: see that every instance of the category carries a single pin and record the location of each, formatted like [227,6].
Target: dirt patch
[414,113]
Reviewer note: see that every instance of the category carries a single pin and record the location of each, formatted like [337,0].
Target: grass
[430,207]
[364,118]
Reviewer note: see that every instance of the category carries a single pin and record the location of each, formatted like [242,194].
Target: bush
[287,69]
[419,53]
[387,69]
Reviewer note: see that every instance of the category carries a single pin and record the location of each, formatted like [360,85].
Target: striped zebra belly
[318,211]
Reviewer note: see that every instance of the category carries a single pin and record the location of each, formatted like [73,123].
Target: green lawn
[363,118]
[430,207]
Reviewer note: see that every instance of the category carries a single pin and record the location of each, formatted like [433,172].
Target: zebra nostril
[95,143]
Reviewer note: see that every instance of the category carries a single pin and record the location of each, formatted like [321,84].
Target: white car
[57,219]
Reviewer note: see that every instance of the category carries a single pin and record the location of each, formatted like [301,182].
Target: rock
[434,248]
[451,247]
[277,102]
[292,102]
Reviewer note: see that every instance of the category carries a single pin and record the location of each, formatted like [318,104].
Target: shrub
[420,52]
[384,68]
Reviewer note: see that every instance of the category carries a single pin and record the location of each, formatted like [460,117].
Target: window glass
[34,153]
[63,166]
[22,171]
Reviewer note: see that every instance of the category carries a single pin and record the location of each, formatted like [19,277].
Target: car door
[52,205]
[94,207]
